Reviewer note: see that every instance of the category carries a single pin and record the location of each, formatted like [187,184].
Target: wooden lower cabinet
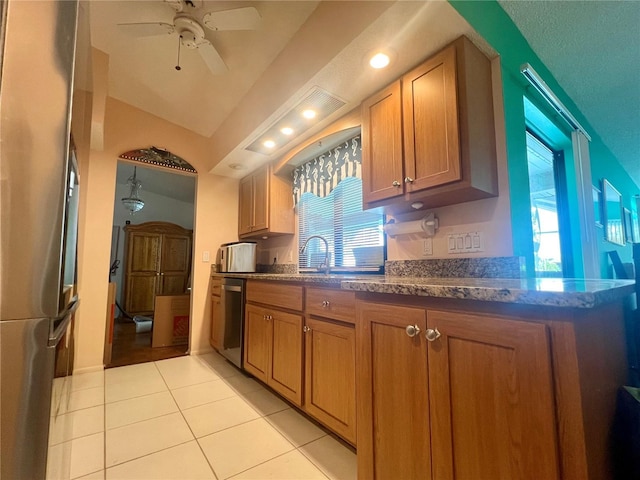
[393,394]
[476,402]
[273,349]
[330,376]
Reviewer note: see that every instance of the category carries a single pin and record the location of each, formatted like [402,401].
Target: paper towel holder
[426,226]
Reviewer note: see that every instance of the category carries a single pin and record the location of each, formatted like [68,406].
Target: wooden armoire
[158,256]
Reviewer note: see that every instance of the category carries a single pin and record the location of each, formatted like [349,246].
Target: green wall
[491,21]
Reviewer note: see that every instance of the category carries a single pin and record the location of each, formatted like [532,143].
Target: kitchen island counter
[551,292]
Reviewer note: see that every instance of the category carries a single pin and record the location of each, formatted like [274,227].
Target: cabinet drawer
[216,286]
[275,293]
[329,303]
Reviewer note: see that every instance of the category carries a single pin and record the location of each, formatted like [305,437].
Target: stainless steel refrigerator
[38,225]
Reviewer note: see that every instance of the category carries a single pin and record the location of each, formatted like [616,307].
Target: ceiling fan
[191,32]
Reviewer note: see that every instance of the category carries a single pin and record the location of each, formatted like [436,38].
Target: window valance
[323,173]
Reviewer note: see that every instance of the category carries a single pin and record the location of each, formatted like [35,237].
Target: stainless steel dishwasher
[232,299]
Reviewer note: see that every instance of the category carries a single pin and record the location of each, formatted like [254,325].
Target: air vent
[319,101]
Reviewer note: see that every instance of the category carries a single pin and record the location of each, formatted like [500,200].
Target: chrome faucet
[324,266]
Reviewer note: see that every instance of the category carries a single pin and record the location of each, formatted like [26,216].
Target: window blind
[355,237]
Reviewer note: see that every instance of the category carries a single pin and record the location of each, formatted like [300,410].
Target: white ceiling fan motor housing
[190,31]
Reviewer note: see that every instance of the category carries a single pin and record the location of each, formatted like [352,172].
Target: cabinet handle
[306,329]
[432,334]
[408,180]
[412,330]
[267,317]
[396,183]
[326,303]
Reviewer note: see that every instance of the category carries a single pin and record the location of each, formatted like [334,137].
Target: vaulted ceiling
[591,47]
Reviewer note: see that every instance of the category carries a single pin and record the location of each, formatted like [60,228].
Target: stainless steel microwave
[237,257]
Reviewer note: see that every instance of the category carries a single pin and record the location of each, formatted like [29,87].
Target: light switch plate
[205,256]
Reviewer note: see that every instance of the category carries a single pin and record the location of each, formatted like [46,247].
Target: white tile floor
[194,417]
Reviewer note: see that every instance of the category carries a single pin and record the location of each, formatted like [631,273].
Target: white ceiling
[161,182]
[303,44]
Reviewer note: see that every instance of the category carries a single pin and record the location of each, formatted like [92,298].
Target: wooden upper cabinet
[430,136]
[430,116]
[266,205]
[491,399]
[245,220]
[382,168]
[261,200]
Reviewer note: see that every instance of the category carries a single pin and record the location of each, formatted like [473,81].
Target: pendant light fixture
[133,203]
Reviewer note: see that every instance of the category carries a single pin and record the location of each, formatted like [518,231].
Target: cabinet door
[382,172]
[430,119]
[285,374]
[393,400]
[143,271]
[217,324]
[260,200]
[175,264]
[330,376]
[245,220]
[491,399]
[257,342]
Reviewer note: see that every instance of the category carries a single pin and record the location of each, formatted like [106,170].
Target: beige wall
[126,128]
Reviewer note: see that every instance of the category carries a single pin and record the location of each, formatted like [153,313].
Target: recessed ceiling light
[286,130]
[379,60]
[309,114]
[269,143]
[237,166]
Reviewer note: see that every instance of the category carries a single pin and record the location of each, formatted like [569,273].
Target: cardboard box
[171,320]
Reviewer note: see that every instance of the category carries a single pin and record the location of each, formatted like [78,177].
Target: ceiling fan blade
[246,18]
[212,58]
[146,29]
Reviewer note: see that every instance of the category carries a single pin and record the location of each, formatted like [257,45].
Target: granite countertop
[331,279]
[554,292]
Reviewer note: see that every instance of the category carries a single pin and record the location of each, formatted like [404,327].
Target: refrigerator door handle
[64,318]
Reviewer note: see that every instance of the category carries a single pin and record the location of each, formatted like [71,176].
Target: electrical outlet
[290,256]
[205,256]
[427,247]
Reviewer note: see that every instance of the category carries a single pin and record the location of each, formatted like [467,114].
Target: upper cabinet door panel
[144,253]
[245,220]
[382,145]
[430,110]
[260,200]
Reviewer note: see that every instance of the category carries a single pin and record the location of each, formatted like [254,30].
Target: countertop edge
[540,292]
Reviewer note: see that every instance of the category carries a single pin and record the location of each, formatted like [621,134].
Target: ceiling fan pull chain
[178,67]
